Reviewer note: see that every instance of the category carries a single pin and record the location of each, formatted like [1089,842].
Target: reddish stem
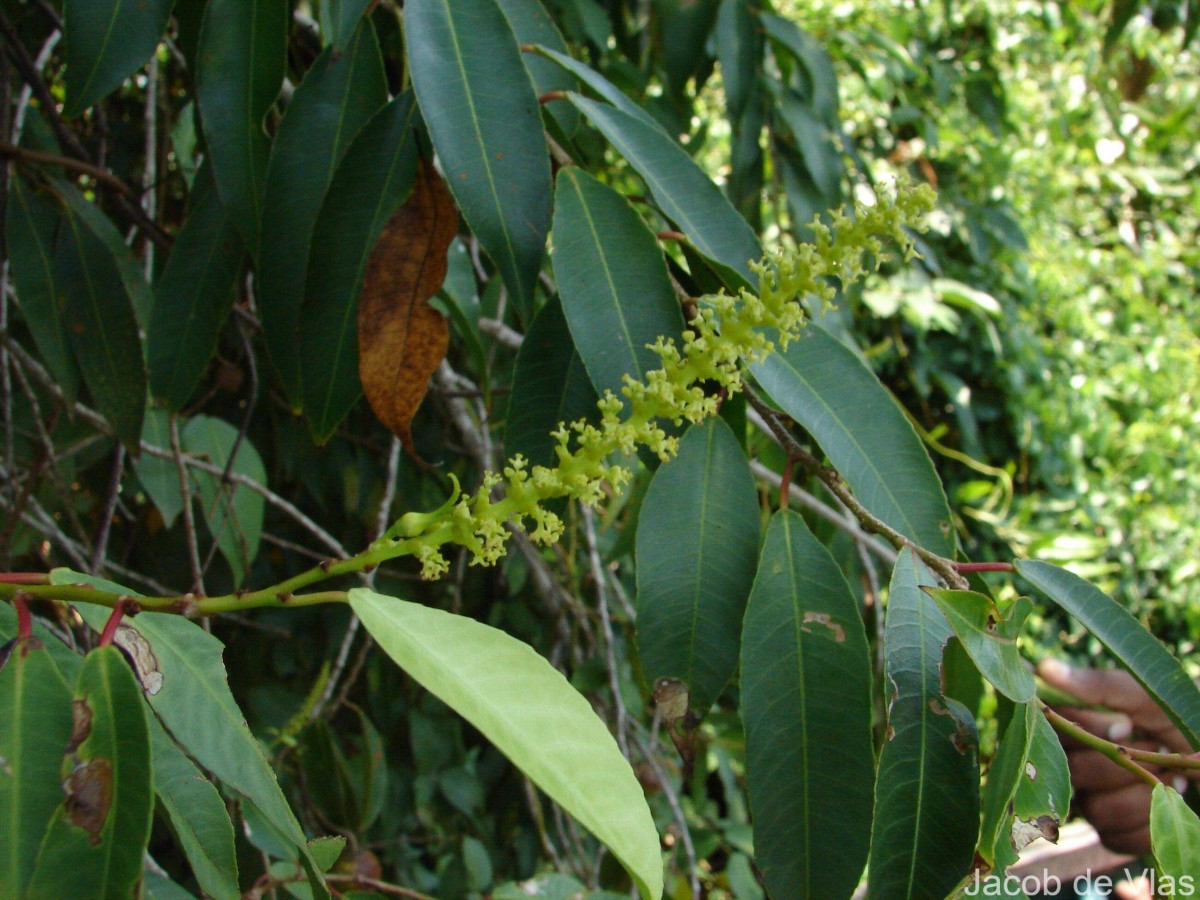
[671,236]
[551,96]
[24,619]
[110,627]
[24,577]
[968,567]
[785,484]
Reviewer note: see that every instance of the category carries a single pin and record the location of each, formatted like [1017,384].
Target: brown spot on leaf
[671,699]
[401,338]
[937,707]
[839,633]
[81,724]
[142,656]
[89,791]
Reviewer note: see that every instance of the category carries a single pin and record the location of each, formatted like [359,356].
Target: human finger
[1112,726]
[1093,771]
[1138,889]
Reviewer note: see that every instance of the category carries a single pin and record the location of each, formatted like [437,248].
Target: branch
[1122,756]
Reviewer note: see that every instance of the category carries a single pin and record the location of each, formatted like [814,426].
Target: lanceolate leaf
[1043,791]
[683,27]
[697,547]
[339,94]
[240,65]
[35,707]
[739,49]
[806,705]
[821,384]
[160,477]
[477,99]
[615,290]
[233,513]
[107,40]
[550,386]
[597,83]
[927,789]
[532,24]
[193,296]
[682,191]
[1175,836]
[401,338]
[97,838]
[1003,778]
[1134,647]
[531,713]
[339,18]
[373,180]
[101,326]
[990,638]
[32,224]
[818,71]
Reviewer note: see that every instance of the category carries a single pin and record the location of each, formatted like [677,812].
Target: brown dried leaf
[401,338]
[89,790]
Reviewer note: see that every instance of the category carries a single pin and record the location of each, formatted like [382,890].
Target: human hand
[1114,800]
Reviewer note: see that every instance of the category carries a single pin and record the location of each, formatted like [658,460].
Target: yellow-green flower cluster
[728,334]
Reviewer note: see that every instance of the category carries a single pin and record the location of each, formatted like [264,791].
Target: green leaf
[233,513]
[615,290]
[35,707]
[101,326]
[532,24]
[815,143]
[927,788]
[198,816]
[990,638]
[339,94]
[1175,837]
[682,191]
[32,224]
[107,41]
[818,73]
[683,27]
[739,49]
[824,386]
[1043,790]
[159,477]
[550,386]
[240,65]
[697,550]
[193,295]
[597,83]
[1135,648]
[483,117]
[339,18]
[1003,779]
[806,705]
[97,839]
[372,182]
[534,717]
[186,685]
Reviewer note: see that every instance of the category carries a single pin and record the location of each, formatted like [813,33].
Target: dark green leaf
[97,839]
[35,707]
[101,326]
[819,76]
[598,83]
[193,296]
[825,387]
[532,24]
[806,705]
[682,191]
[615,290]
[107,40]
[198,816]
[339,94]
[339,18]
[240,66]
[1003,778]
[815,143]
[372,182]
[683,27]
[1175,836]
[1043,792]
[697,549]
[927,790]
[550,386]
[739,49]
[990,638]
[477,99]
[1134,647]
[32,224]
[160,477]
[233,512]
[532,715]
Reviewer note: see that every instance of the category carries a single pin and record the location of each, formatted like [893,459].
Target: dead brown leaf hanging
[401,338]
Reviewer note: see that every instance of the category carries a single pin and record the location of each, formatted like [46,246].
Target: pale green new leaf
[1175,837]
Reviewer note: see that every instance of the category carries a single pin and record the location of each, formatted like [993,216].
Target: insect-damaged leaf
[401,338]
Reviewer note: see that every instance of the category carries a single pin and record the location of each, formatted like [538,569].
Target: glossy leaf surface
[697,549]
[107,41]
[806,706]
[529,711]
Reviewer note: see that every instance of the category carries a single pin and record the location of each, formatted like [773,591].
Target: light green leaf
[806,705]
[990,638]
[616,292]
[193,295]
[1043,790]
[233,513]
[682,191]
[97,839]
[927,789]
[159,477]
[1135,648]
[107,41]
[340,93]
[824,386]
[240,65]
[371,183]
[1003,778]
[697,550]
[477,99]
[533,716]
[35,707]
[1175,837]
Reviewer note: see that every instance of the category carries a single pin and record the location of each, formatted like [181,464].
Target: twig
[1122,756]
[502,333]
[646,745]
[189,522]
[100,545]
[610,641]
